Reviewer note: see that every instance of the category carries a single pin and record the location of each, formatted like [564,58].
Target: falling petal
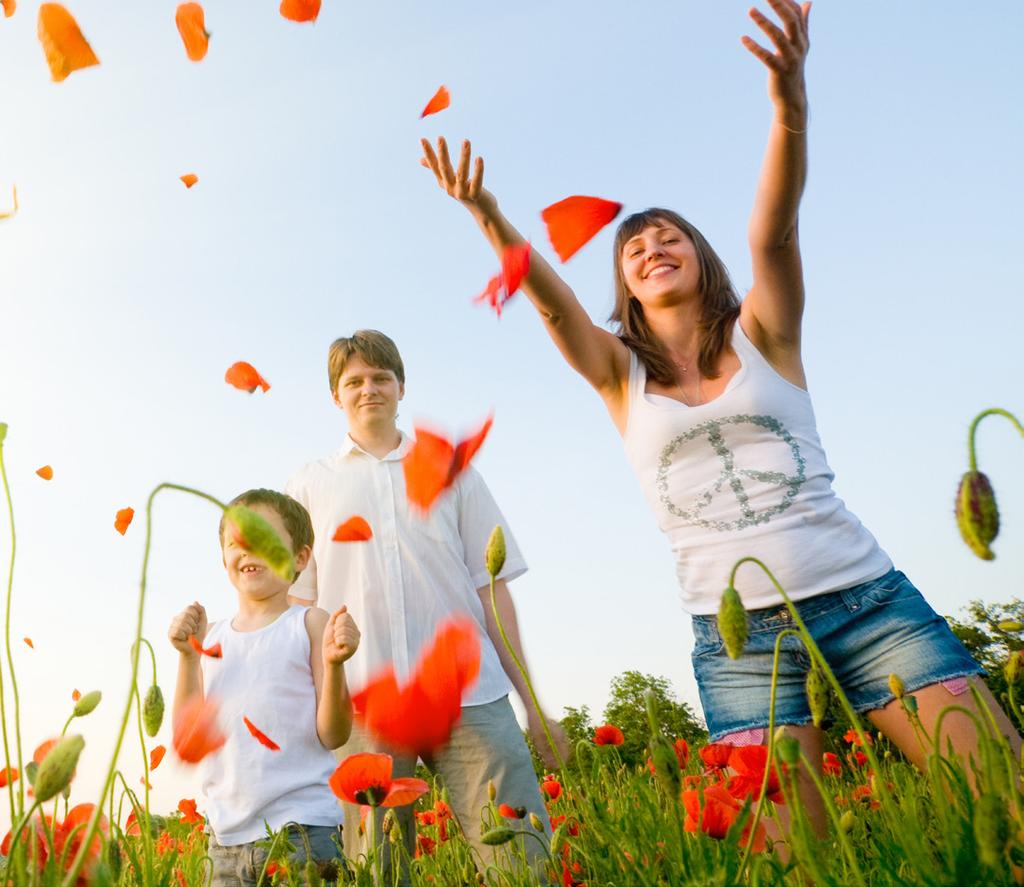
[574,221]
[260,736]
[65,48]
[355,529]
[46,472]
[29,642]
[156,756]
[214,652]
[440,100]
[245,378]
[123,519]
[75,695]
[9,7]
[11,212]
[433,464]
[300,10]
[191,24]
[515,265]
[196,731]
[189,179]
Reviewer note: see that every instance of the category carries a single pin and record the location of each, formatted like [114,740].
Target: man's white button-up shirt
[413,574]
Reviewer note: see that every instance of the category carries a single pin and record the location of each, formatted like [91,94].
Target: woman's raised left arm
[774,306]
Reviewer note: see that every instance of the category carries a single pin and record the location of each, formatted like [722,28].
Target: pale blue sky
[124,297]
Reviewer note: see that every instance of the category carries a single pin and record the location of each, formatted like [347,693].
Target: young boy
[281,666]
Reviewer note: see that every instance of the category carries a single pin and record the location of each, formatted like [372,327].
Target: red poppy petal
[214,652]
[300,10]
[156,756]
[123,519]
[468,448]
[46,472]
[426,468]
[65,48]
[196,730]
[404,791]
[355,529]
[574,221]
[515,265]
[189,179]
[29,642]
[438,102]
[9,7]
[190,19]
[245,378]
[260,736]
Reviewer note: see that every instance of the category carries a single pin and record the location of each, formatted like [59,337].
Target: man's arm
[507,613]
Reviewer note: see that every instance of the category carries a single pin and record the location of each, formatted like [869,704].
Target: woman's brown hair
[720,305]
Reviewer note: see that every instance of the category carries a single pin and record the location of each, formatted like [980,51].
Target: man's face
[369,395]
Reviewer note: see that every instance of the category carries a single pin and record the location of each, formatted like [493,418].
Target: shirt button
[784,615]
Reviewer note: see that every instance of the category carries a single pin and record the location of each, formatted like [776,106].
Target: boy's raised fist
[341,637]
[190,621]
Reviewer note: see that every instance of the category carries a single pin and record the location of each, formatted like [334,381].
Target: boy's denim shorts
[866,633]
[240,865]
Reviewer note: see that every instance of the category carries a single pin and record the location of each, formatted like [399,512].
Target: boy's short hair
[372,346]
[295,517]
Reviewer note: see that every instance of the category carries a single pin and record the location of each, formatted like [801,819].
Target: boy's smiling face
[248,573]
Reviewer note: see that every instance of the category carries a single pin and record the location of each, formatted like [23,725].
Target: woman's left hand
[785,65]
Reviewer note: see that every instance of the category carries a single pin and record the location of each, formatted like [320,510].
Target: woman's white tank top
[265,675]
[745,475]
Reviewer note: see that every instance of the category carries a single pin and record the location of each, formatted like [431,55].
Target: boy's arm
[332,641]
[190,621]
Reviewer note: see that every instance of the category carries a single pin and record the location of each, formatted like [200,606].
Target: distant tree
[989,644]
[627,710]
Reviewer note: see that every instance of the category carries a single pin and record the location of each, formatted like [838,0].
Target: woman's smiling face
[660,260]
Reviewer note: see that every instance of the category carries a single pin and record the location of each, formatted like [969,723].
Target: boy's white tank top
[745,475]
[265,675]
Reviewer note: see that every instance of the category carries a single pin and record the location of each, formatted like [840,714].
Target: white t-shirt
[413,574]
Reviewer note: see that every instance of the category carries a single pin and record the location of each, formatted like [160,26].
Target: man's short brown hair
[372,346]
[294,516]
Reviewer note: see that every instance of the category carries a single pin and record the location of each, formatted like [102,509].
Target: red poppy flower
[300,10]
[715,755]
[366,779]
[718,814]
[355,529]
[853,738]
[196,731]
[191,24]
[426,817]
[8,776]
[65,48]
[46,472]
[682,748]
[418,718]
[858,758]
[551,787]
[515,265]
[188,180]
[67,839]
[433,464]
[187,809]
[214,652]
[425,846]
[260,736]
[438,102]
[831,764]
[749,762]
[574,221]
[245,378]
[156,756]
[510,812]
[608,735]
[122,519]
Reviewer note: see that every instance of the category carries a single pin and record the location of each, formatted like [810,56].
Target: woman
[710,397]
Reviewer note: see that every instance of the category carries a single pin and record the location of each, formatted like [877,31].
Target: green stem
[10,657]
[72,875]
[152,656]
[526,678]
[994,411]
[18,829]
[147,835]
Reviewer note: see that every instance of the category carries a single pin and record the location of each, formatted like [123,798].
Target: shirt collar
[397,454]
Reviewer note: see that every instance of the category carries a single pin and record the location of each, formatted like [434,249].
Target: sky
[124,297]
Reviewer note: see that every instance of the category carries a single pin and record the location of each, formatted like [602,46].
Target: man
[414,573]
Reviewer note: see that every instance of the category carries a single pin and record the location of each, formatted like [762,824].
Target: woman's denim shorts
[866,633]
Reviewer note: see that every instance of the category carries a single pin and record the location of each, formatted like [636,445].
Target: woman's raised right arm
[593,352]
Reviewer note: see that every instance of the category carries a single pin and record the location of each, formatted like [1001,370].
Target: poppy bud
[991,829]
[817,694]
[788,749]
[977,515]
[846,821]
[896,686]
[732,622]
[312,874]
[31,772]
[58,767]
[910,704]
[492,792]
[495,836]
[153,710]
[495,555]
[388,822]
[535,821]
[87,703]
[1011,625]
[255,534]
[1012,669]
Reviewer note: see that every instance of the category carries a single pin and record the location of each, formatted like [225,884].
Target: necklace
[700,391]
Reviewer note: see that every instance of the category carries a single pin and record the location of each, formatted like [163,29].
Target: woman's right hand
[467,189]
